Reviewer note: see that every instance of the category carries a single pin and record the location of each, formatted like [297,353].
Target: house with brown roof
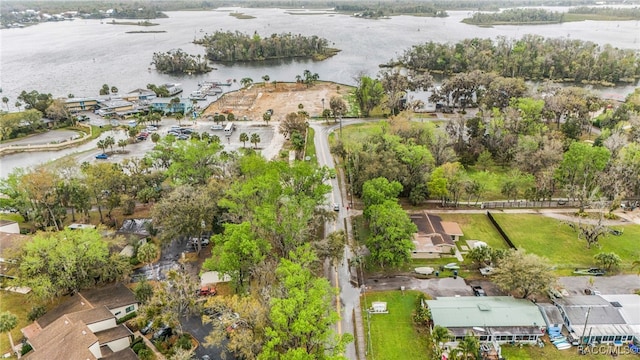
[84,327]
[434,237]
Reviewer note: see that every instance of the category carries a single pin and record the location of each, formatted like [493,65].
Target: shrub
[127,317]
[184,342]
[145,354]
[36,312]
[25,349]
[134,260]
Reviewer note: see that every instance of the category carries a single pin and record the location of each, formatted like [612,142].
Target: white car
[336,207]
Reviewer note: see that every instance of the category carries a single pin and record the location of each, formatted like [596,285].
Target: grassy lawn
[476,227]
[393,335]
[310,149]
[16,304]
[550,352]
[555,241]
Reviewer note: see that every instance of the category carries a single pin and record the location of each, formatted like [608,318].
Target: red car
[207,291]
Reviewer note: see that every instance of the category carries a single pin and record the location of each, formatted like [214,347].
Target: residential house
[85,326]
[501,319]
[434,237]
[612,319]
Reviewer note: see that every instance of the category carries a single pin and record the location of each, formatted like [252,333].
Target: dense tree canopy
[532,57]
[523,273]
[235,46]
[64,262]
[179,62]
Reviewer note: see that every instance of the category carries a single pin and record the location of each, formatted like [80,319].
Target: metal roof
[484,311]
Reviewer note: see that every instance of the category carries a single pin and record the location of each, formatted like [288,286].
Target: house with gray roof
[609,319]
[501,319]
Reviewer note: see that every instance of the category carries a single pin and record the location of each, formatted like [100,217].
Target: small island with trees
[179,62]
[521,16]
[235,46]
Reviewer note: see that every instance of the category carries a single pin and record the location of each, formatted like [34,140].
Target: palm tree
[122,143]
[114,90]
[439,334]
[18,104]
[5,100]
[244,138]
[102,145]
[255,139]
[155,137]
[266,79]
[179,117]
[8,322]
[110,141]
[266,117]
[469,347]
[245,82]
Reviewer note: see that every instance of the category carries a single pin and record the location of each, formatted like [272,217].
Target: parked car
[217,127]
[145,330]
[590,271]
[336,207]
[183,137]
[152,128]
[204,241]
[102,156]
[186,131]
[207,291]
[478,291]
[162,333]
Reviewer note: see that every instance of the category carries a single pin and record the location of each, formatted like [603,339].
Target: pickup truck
[478,291]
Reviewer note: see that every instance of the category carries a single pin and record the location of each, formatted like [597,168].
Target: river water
[79,56]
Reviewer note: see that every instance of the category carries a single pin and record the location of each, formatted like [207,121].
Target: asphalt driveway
[607,285]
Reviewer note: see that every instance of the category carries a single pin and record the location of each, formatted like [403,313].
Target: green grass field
[554,240]
[17,305]
[476,227]
[393,335]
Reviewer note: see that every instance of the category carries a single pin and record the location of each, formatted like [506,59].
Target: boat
[197,95]
[173,89]
[559,340]
[563,346]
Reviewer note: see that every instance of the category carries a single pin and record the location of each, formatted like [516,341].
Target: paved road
[607,285]
[349,296]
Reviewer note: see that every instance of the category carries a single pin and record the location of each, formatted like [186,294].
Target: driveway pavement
[194,326]
[607,285]
[444,286]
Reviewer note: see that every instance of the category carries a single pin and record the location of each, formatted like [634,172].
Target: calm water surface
[79,56]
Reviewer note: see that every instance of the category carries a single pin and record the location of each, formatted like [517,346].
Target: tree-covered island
[532,57]
[179,62]
[235,46]
[520,16]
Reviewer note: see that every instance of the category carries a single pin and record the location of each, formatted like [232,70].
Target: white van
[228,130]
[217,127]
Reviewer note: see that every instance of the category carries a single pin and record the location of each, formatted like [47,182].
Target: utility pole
[584,329]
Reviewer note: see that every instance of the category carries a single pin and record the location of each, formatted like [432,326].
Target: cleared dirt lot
[282,98]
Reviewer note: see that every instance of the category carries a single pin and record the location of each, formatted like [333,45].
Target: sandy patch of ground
[282,98]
